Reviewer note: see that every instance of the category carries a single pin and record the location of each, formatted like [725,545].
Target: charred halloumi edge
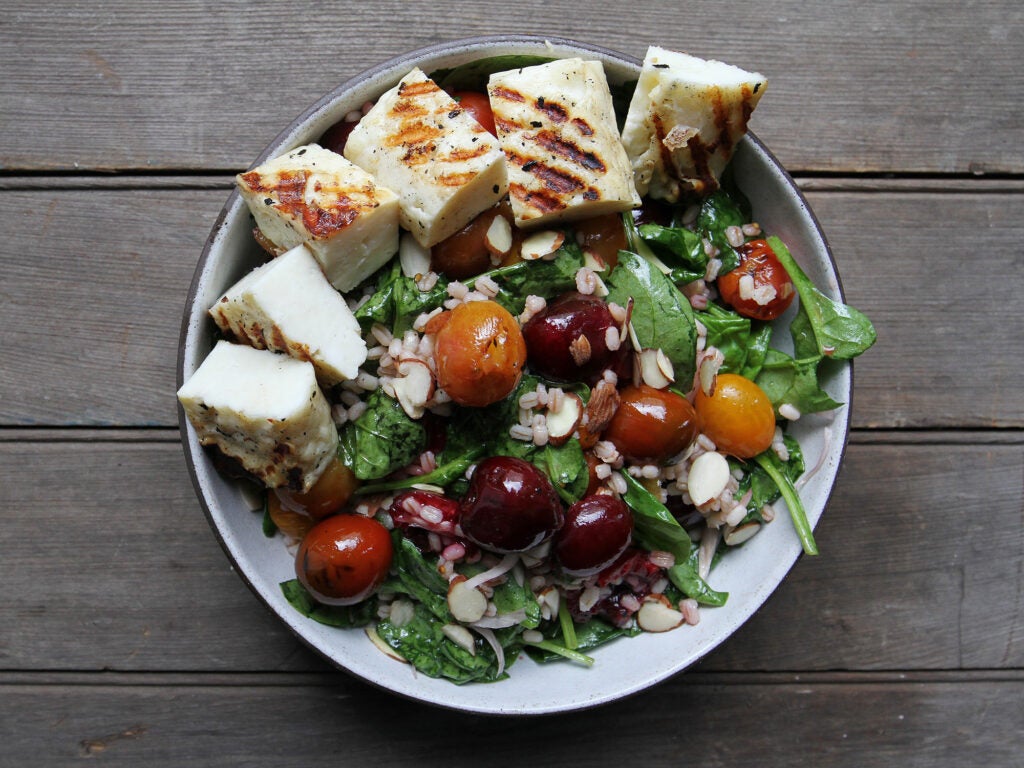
[314,196]
[446,167]
[556,124]
[684,121]
[287,305]
[265,410]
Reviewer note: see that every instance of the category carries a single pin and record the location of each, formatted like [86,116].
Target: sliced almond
[498,239]
[742,533]
[540,244]
[656,369]
[386,649]
[658,616]
[709,474]
[414,258]
[461,636]
[564,421]
[708,374]
[593,260]
[467,604]
[414,387]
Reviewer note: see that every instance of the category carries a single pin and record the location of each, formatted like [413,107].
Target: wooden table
[126,637]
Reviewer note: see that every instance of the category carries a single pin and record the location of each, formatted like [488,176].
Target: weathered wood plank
[114,567]
[855,87]
[93,321]
[863,725]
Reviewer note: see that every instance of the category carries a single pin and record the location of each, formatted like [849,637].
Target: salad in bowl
[519,348]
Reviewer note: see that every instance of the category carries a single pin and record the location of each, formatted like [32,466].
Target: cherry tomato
[343,559]
[328,495]
[294,524]
[479,108]
[465,254]
[738,416]
[651,424]
[480,353]
[604,236]
[768,293]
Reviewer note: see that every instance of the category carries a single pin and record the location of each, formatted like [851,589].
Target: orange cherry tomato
[328,495]
[465,254]
[480,353]
[294,524]
[768,293]
[738,416]
[343,559]
[478,106]
[651,424]
[604,236]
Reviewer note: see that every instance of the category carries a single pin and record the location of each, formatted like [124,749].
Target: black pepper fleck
[268,201]
[757,87]
[529,164]
[661,66]
[495,189]
[301,152]
[536,123]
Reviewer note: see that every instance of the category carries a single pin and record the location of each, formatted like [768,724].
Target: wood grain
[725,723]
[114,568]
[855,86]
[118,262]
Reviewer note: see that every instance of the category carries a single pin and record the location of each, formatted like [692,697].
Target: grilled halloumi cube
[265,410]
[314,196]
[557,128]
[684,121]
[288,306]
[446,167]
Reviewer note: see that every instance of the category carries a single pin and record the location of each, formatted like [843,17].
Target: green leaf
[654,527]
[777,471]
[662,316]
[757,349]
[382,439]
[718,212]
[510,597]
[566,466]
[590,635]
[679,248]
[786,380]
[345,616]
[761,486]
[729,333]
[839,331]
[541,277]
[685,576]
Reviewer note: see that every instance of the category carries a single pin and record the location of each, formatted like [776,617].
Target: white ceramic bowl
[625,666]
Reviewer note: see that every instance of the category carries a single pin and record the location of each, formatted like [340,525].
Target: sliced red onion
[492,641]
[506,565]
[802,480]
[500,622]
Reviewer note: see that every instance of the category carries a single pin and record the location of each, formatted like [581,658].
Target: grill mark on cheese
[459,155]
[659,135]
[582,126]
[508,94]
[554,111]
[568,151]
[456,179]
[421,88]
[320,222]
[538,200]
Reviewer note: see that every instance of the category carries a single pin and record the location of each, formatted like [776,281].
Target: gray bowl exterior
[622,668]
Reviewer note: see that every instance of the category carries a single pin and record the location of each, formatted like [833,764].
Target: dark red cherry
[510,506]
[568,339]
[596,531]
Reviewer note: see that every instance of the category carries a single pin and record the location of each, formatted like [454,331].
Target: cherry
[568,339]
[596,531]
[510,506]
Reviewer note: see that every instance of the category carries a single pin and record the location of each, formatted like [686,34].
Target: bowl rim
[276,145]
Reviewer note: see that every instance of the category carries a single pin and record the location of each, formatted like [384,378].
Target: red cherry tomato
[651,424]
[738,416]
[480,353]
[478,106]
[343,559]
[768,292]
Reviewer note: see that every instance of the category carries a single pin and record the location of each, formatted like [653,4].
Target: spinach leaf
[839,331]
[589,635]
[444,475]
[542,277]
[763,488]
[729,333]
[422,642]
[510,597]
[345,616]
[566,466]
[654,527]
[473,75]
[757,349]
[787,380]
[419,579]
[382,440]
[678,247]
[398,301]
[380,308]
[662,316]
[778,472]
[718,212]
[684,575]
